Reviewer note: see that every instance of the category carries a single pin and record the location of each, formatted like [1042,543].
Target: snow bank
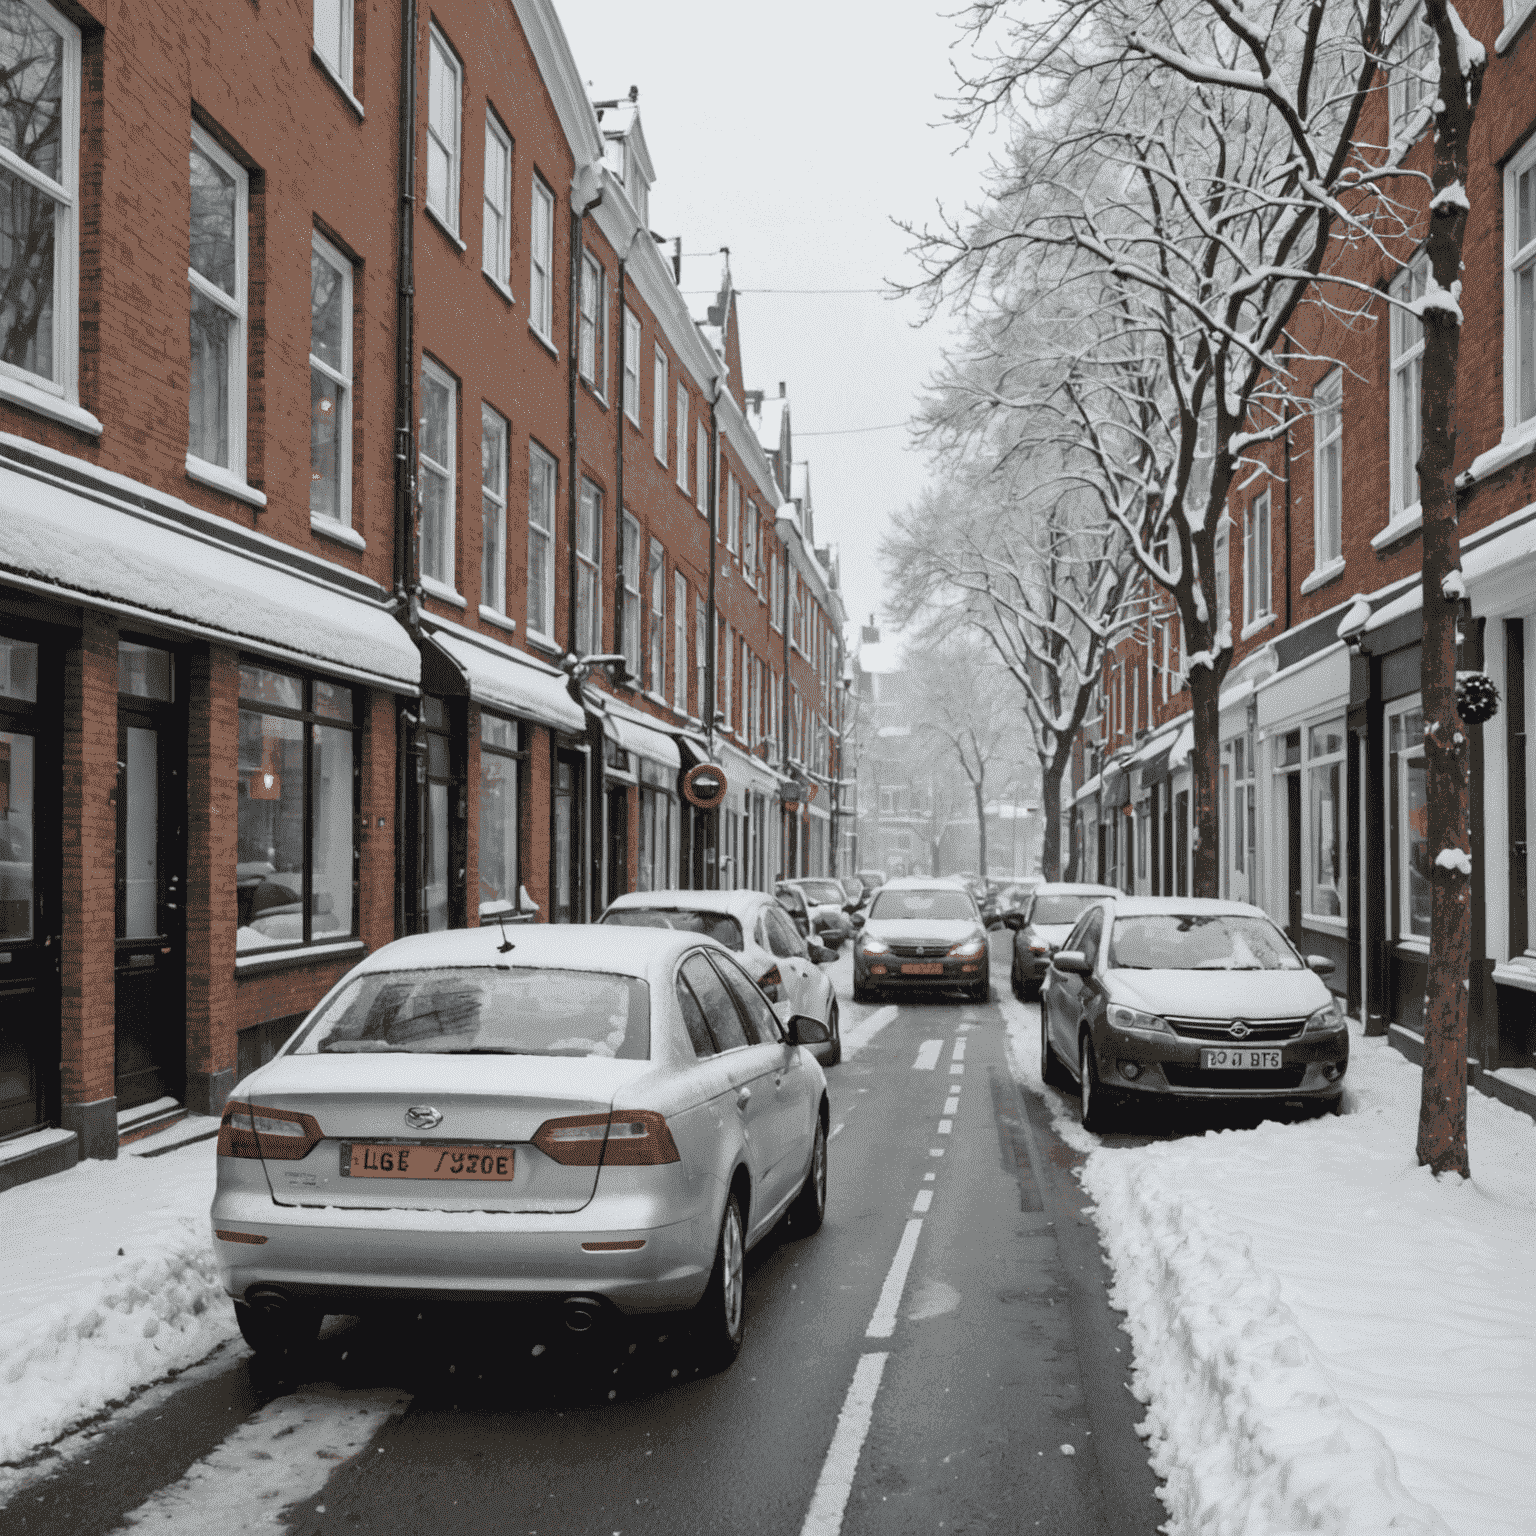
[1326,1337]
[106,1284]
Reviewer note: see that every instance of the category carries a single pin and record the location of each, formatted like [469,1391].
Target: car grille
[1260,1031]
[934,951]
[1180,1076]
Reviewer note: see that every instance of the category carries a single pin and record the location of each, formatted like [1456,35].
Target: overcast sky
[794,133]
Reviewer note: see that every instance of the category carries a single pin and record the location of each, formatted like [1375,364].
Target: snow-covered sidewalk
[106,1284]
[1326,1337]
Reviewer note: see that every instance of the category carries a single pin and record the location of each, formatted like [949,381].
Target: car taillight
[772,983]
[627,1138]
[255,1130]
[1039,949]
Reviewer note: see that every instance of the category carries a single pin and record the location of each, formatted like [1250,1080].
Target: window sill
[283,959]
[655,698]
[500,620]
[1258,626]
[1519,972]
[1409,520]
[1524,10]
[1318,923]
[1323,575]
[544,341]
[1513,446]
[442,224]
[500,287]
[31,398]
[218,478]
[442,592]
[1412,945]
[592,390]
[329,528]
[544,643]
[336,80]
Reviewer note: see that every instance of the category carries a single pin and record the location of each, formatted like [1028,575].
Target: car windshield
[485,1011]
[1060,911]
[825,893]
[941,906]
[1181,941]
[719,926]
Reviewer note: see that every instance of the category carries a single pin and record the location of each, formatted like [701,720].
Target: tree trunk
[1050,809]
[1074,848]
[1205,829]
[978,792]
[1442,1143]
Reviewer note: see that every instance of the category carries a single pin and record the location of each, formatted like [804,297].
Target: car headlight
[1121,1017]
[1326,1020]
[968,948]
[874,946]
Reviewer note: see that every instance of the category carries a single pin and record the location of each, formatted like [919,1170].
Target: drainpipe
[585,177]
[793,807]
[712,876]
[1288,526]
[618,467]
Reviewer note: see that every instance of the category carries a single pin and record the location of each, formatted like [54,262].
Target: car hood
[1054,934]
[915,930]
[1219,994]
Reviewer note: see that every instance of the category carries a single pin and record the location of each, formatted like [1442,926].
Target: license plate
[924,969]
[382,1160]
[1239,1058]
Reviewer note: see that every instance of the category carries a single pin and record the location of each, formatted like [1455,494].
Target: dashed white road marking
[945,1127]
[923,1201]
[883,1324]
[928,1056]
[959,1054]
[956,1069]
[951,1104]
[836,1128]
[825,1516]
[928,1178]
[935,1151]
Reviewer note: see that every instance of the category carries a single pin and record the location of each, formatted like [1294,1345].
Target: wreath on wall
[1477,697]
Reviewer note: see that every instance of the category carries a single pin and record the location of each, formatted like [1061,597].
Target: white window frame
[493,509]
[776,586]
[660,384]
[590,502]
[1258,561]
[442,585]
[1403,709]
[544,531]
[1407,90]
[701,468]
[1328,476]
[700,654]
[342,379]
[541,262]
[1407,349]
[631,640]
[592,325]
[338,65]
[231,475]
[1323,761]
[679,642]
[749,545]
[1519,260]
[681,406]
[655,639]
[631,385]
[732,513]
[444,69]
[496,211]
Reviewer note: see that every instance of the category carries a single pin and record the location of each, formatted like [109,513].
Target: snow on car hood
[914,930]
[1220,994]
[1054,934]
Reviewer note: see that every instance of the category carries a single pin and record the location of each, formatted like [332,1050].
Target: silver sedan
[600,1122]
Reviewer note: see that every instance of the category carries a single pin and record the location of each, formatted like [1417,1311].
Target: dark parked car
[921,935]
[829,908]
[1042,926]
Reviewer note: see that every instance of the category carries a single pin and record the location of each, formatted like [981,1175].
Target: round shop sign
[705,785]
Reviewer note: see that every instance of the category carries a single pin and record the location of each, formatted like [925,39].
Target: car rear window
[941,906]
[1059,911]
[824,892]
[1185,942]
[719,926]
[485,1011]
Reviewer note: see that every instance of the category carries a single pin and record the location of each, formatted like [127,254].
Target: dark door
[568,839]
[29,998]
[1293,852]
[150,987]
[1181,841]
[618,841]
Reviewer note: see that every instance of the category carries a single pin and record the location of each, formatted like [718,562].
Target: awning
[694,749]
[646,741]
[1155,769]
[1090,789]
[500,679]
[175,571]
[1115,790]
[747,771]
[1182,747]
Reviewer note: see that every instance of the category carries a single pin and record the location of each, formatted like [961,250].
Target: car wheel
[1016,981]
[719,1320]
[834,1025]
[1052,1073]
[810,1207]
[1092,1100]
[277,1332]
[861,993]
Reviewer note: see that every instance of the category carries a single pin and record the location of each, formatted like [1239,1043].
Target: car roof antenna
[506,943]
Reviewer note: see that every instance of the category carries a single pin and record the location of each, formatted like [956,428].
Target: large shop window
[297,870]
[1410,822]
[659,824]
[501,752]
[1325,820]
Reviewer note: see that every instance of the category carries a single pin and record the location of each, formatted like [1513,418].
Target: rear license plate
[1239,1059]
[925,969]
[382,1160]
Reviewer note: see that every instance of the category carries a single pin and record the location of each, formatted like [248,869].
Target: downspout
[1288,526]
[707,704]
[618,469]
[790,808]
[573,310]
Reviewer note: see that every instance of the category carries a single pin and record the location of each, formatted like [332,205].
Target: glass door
[569,839]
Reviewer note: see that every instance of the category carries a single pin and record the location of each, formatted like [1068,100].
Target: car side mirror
[858,919]
[804,1030]
[1321,964]
[1072,961]
[1013,920]
[993,924]
[819,953]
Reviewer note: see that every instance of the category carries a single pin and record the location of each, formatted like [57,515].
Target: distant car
[793,901]
[484,1122]
[757,930]
[1014,895]
[855,890]
[1169,997]
[1043,924]
[829,907]
[873,879]
[921,935]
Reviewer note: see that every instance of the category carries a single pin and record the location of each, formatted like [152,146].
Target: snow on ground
[1326,1337]
[106,1284]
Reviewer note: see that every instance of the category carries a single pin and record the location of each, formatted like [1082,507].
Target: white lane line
[956,1070]
[836,1128]
[935,1151]
[928,1178]
[923,1201]
[883,1324]
[855,1039]
[945,1127]
[951,1104]
[928,1056]
[959,1054]
[825,1516]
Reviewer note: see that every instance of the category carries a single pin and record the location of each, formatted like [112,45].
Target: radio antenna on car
[506,943]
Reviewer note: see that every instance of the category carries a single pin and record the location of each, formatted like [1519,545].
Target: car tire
[719,1320]
[835,1027]
[277,1333]
[810,1205]
[1093,1102]
[1052,1073]
[1015,981]
[862,994]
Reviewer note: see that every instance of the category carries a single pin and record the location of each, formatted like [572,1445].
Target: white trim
[500,273]
[336,80]
[22,391]
[1520,164]
[491,420]
[500,620]
[341,377]
[261,960]
[440,49]
[329,528]
[541,307]
[1514,445]
[1409,520]
[1516,14]
[1323,575]
[631,340]
[661,384]
[1520,971]
[220,479]
[449,471]
[1407,285]
[442,592]
[341,71]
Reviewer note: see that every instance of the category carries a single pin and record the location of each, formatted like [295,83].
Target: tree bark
[1442,1140]
[978,792]
[1205,829]
[1051,770]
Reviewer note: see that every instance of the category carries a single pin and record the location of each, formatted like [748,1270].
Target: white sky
[794,133]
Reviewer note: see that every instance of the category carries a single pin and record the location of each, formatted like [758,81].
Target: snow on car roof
[1073,888]
[736,904]
[570,946]
[1190,906]
[924,883]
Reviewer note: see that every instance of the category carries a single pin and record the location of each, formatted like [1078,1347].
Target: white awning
[500,678]
[646,741]
[83,545]
[746,771]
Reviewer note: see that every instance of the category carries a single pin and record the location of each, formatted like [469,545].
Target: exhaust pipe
[581,1313]
[272,1303]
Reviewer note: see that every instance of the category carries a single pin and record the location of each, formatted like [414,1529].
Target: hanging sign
[704,785]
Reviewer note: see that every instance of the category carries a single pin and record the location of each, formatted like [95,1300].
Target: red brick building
[263,709]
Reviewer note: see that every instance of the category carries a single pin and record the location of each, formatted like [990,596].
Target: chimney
[781,389]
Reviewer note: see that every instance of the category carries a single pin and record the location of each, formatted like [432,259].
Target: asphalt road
[940,1358]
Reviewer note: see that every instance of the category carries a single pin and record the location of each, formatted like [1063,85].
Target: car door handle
[742,1096]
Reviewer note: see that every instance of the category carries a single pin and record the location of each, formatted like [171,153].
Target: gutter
[584,176]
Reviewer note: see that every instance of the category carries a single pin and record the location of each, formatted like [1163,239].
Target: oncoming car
[1167,997]
[470,1119]
[921,935]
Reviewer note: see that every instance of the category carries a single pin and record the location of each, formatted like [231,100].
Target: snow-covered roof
[879,658]
[800,481]
[738,904]
[768,418]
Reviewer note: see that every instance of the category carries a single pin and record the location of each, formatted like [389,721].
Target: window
[541,244]
[659,407]
[1412,75]
[701,468]
[217,274]
[749,546]
[330,382]
[762,563]
[1520,291]
[629,617]
[589,567]
[493,510]
[435,492]
[1407,377]
[776,581]
[1410,816]
[700,657]
[632,366]
[1328,469]
[592,331]
[1256,560]
[657,821]
[39,169]
[1223,558]
[333,37]
[682,438]
[295,877]
[680,642]
[496,228]
[500,754]
[543,480]
[658,647]
[1325,820]
[733,513]
[444,82]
